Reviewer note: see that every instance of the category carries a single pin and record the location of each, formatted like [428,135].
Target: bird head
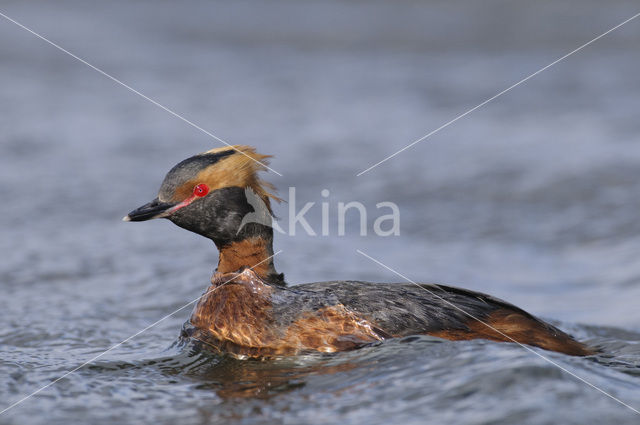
[206,193]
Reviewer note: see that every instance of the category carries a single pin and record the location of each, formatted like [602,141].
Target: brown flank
[237,317]
[515,327]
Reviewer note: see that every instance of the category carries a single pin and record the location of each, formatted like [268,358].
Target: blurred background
[533,198]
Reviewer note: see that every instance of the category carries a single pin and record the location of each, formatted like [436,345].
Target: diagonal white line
[447,124]
[125,340]
[545,358]
[114,79]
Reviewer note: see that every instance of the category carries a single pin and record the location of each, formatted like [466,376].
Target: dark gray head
[206,194]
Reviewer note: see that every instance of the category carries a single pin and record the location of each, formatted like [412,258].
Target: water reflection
[261,379]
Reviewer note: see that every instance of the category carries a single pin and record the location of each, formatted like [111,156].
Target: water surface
[533,198]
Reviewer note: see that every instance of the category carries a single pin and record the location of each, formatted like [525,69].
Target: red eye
[201,190]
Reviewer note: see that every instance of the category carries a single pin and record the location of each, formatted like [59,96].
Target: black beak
[153,209]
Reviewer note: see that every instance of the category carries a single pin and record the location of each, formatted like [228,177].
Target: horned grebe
[249,311]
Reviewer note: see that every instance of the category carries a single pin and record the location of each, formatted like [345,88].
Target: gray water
[533,198]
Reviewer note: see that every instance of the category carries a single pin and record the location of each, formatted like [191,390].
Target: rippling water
[533,198]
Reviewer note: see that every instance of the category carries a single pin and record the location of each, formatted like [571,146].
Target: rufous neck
[255,253]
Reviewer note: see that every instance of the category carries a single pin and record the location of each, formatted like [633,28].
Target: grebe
[249,311]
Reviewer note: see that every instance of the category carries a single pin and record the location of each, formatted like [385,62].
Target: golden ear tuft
[240,169]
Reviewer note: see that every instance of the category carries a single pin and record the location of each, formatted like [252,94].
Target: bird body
[248,317]
[249,311]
